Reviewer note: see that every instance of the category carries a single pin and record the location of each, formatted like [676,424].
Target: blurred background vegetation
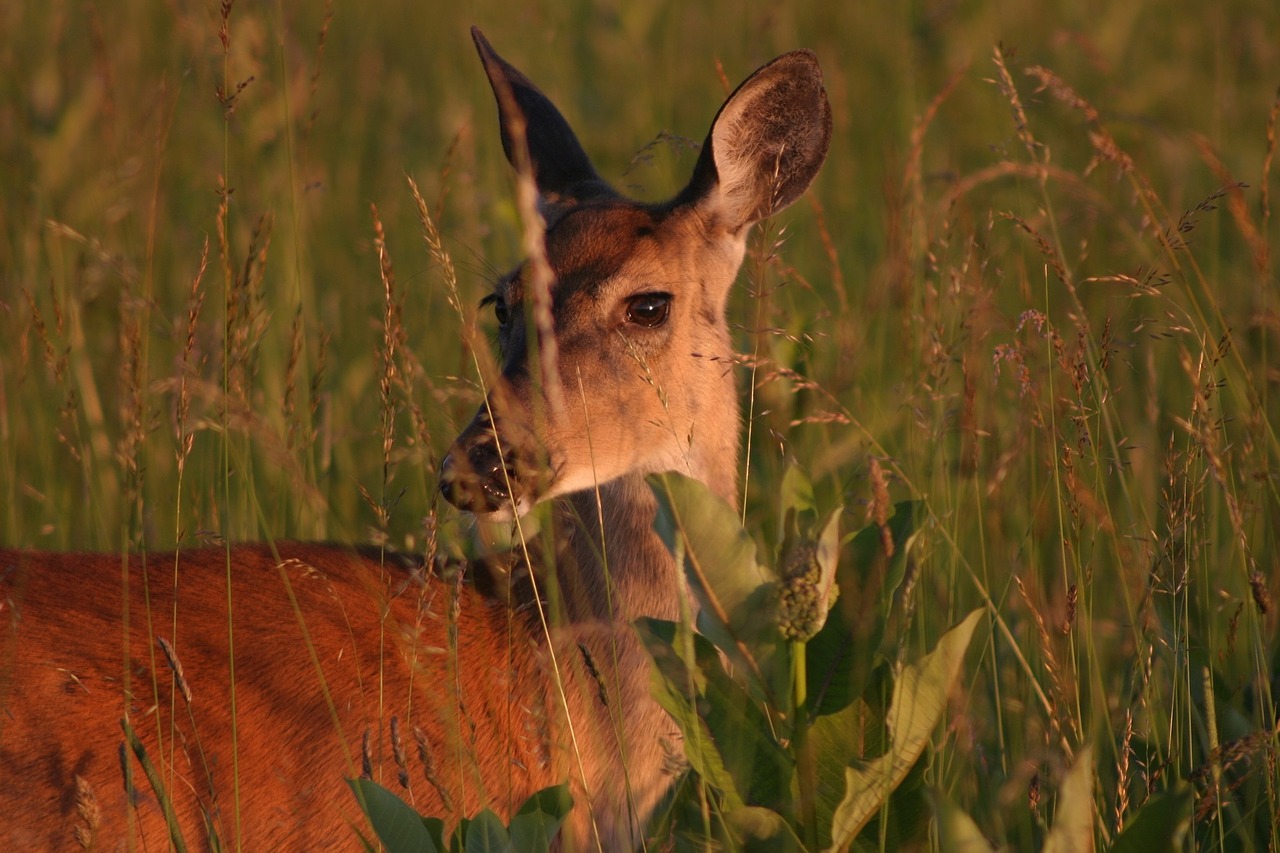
[1034,281]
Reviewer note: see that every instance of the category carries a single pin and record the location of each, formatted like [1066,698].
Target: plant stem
[805,770]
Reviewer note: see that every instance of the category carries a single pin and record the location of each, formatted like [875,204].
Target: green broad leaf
[736,595]
[829,539]
[1073,821]
[486,834]
[797,492]
[538,821]
[828,555]
[676,682]
[840,657]
[680,814]
[902,823]
[533,833]
[760,830]
[435,829]
[555,802]
[919,699]
[835,741]
[957,833]
[399,827]
[1161,824]
[457,841]
[731,731]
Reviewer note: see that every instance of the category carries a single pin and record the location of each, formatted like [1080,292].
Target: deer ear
[766,144]
[561,169]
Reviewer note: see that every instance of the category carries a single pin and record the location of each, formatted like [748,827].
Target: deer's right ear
[766,144]
[561,169]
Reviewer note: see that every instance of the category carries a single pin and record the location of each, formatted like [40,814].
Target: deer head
[637,299]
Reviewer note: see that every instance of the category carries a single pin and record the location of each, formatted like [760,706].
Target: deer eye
[649,310]
[500,310]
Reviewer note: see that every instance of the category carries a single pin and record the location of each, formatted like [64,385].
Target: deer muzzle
[493,468]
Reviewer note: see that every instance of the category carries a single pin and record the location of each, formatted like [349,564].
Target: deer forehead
[608,250]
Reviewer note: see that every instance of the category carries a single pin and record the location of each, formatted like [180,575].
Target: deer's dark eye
[649,310]
[500,310]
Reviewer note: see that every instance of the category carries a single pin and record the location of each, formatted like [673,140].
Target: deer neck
[624,569]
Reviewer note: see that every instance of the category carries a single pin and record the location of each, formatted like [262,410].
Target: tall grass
[1034,286]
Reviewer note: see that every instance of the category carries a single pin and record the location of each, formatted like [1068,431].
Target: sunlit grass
[1034,282]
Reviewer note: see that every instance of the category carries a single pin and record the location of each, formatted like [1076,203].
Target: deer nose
[476,479]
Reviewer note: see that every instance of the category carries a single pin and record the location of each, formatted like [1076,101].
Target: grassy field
[1035,283]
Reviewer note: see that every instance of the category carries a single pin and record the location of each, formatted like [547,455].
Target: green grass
[1050,316]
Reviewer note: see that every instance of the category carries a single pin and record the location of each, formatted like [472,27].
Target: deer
[229,691]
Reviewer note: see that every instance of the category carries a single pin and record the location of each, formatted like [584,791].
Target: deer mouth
[480,478]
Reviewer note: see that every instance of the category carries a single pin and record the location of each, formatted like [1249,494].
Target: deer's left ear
[766,144]
[561,169]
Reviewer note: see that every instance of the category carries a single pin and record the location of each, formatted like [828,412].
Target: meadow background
[1034,282]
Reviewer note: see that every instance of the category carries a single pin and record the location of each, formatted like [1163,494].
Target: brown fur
[67,692]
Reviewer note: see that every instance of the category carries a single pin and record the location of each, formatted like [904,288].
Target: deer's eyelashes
[648,310]
[500,310]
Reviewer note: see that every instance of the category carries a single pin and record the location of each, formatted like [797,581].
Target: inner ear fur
[766,144]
